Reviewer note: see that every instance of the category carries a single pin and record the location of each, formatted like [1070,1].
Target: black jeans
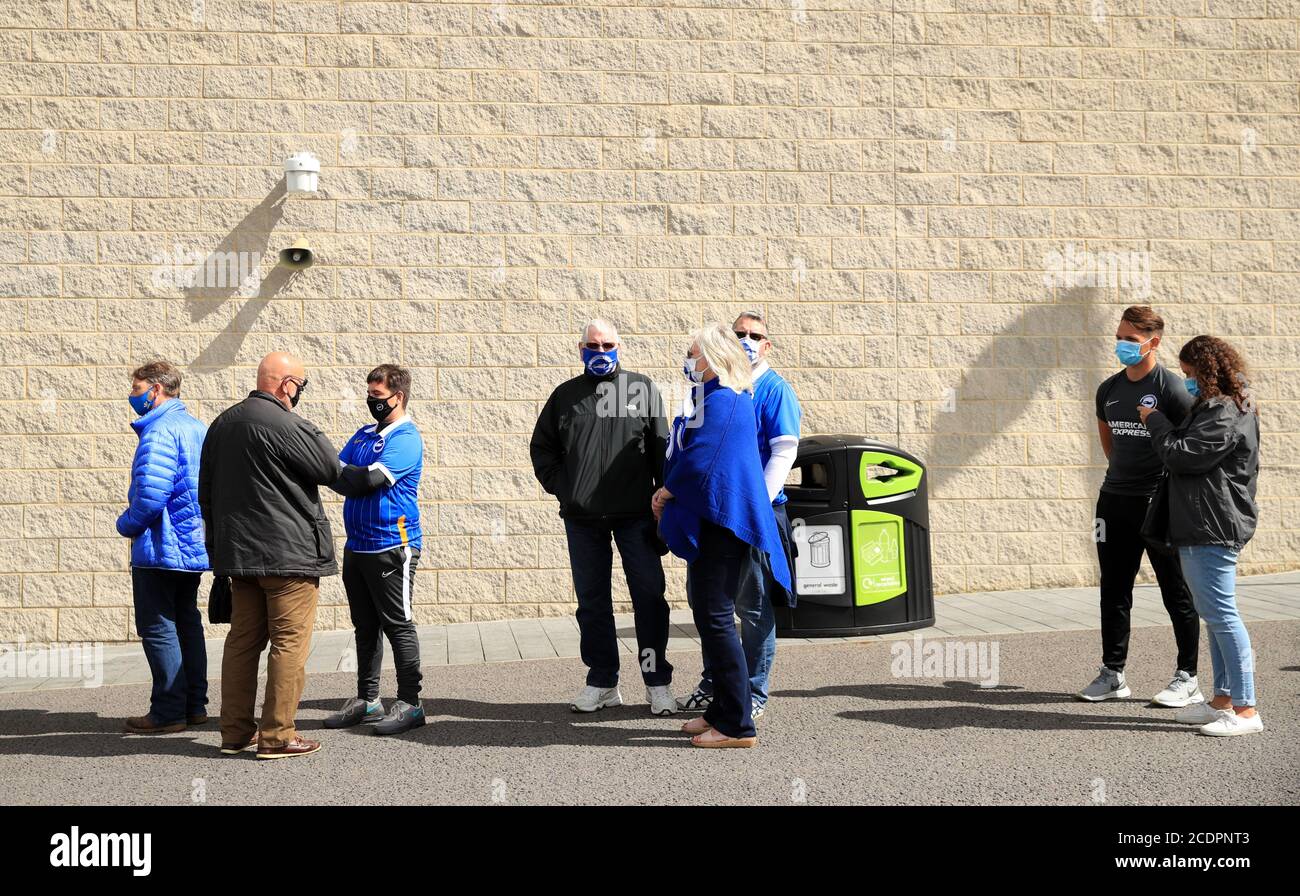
[379,588]
[592,561]
[1119,551]
[716,578]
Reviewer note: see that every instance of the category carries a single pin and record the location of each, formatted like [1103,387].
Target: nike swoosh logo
[1109,403]
[384,575]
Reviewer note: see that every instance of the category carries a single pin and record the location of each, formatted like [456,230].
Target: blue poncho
[714,473]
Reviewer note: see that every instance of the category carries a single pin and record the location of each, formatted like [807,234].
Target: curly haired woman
[1213,463]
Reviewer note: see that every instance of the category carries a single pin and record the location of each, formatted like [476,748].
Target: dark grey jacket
[599,445]
[1213,464]
[258,489]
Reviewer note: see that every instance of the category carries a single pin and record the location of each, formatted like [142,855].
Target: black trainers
[402,716]
[354,712]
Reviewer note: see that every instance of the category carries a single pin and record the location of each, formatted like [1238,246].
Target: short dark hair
[165,373]
[1144,318]
[397,379]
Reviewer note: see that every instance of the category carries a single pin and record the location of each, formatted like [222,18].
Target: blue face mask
[1129,353]
[751,349]
[599,363]
[141,403]
[1193,387]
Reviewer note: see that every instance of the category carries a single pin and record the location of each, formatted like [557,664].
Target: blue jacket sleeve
[153,476]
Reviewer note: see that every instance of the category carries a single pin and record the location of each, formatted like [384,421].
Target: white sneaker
[1182,691]
[1108,685]
[1197,714]
[592,698]
[1229,724]
[661,700]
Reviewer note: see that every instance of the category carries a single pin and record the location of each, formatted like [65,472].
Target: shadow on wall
[1013,370]
[241,249]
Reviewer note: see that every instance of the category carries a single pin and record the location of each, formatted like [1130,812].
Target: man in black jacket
[259,478]
[599,446]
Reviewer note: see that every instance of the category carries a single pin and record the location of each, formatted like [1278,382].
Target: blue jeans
[170,627]
[1211,573]
[757,618]
[716,576]
[592,561]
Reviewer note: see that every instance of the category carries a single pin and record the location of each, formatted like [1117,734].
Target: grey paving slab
[433,645]
[464,645]
[532,640]
[563,635]
[498,642]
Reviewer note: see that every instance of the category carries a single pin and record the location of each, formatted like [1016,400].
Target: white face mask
[688,368]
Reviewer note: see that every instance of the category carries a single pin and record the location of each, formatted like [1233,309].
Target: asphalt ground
[842,728]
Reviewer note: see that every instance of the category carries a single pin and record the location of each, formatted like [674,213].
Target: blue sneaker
[354,712]
[402,716]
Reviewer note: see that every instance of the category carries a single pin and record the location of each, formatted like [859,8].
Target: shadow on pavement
[34,732]
[982,708]
[475,723]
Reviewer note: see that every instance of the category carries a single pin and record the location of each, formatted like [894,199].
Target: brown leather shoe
[235,749]
[146,725]
[195,721]
[299,746]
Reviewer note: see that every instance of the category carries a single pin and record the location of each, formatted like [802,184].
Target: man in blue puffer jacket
[168,556]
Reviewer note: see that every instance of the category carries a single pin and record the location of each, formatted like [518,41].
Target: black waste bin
[861,527]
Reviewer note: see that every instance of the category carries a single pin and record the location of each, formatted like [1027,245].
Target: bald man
[259,479]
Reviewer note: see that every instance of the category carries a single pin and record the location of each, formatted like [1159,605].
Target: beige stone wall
[888,180]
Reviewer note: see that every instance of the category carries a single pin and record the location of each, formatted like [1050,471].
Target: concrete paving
[848,723]
[1260,598]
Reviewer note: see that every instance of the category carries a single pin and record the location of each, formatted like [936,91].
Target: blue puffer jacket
[162,517]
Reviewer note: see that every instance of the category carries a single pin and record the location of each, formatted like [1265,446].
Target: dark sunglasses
[302,386]
[745,334]
[601,346]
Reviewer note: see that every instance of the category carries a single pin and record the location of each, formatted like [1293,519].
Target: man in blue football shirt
[380,481]
[776,408]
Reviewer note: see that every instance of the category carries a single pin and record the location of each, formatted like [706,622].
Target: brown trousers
[280,609]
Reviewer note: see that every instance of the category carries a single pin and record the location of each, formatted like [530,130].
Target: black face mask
[380,407]
[293,402]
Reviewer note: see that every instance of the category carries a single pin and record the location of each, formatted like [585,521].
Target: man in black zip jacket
[259,489]
[599,447]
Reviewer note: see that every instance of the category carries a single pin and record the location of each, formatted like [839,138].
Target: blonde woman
[712,508]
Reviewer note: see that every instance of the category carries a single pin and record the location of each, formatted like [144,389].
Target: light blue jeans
[1211,573]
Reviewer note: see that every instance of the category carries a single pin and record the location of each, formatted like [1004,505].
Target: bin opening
[811,474]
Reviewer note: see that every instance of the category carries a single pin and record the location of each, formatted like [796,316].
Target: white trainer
[1229,724]
[1183,690]
[592,698]
[1108,685]
[1197,714]
[661,700]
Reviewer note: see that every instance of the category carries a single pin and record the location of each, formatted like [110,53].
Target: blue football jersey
[777,411]
[388,517]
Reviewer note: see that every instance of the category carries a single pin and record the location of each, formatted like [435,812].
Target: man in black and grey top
[598,447]
[1132,474]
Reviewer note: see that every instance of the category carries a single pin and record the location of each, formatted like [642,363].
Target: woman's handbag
[1155,527]
[219,600]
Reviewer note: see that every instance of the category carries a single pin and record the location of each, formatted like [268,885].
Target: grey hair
[752,314]
[601,324]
